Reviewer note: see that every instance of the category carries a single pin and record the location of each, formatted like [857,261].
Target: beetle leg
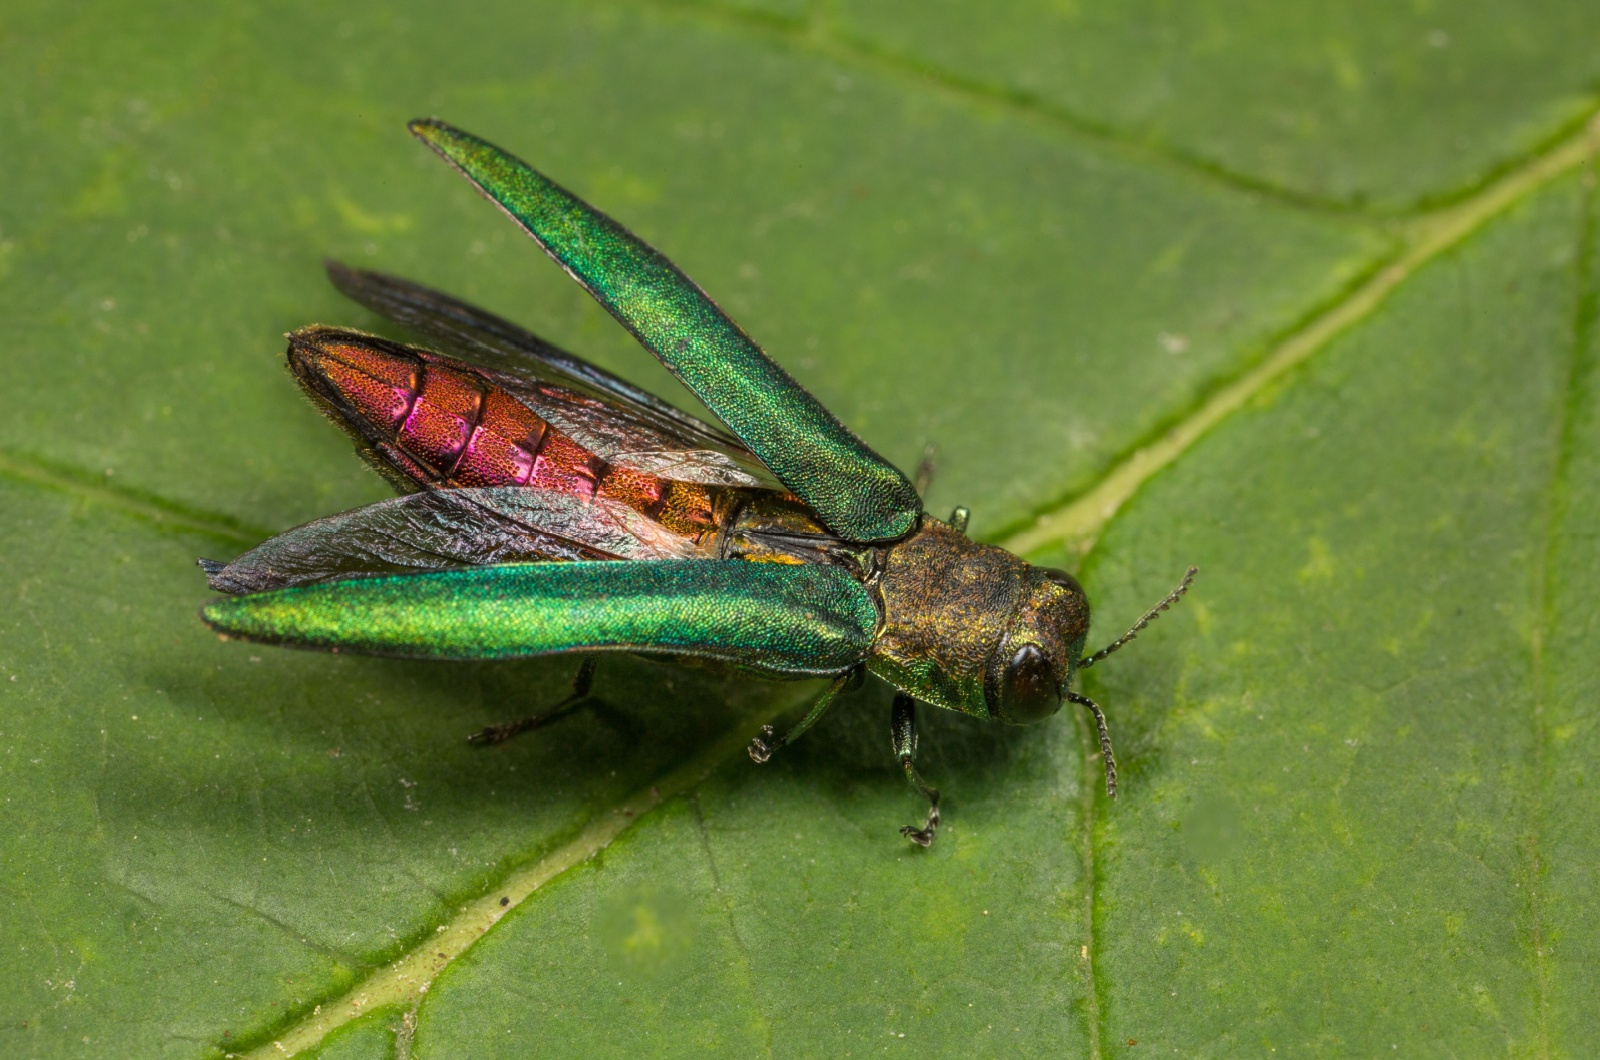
[926,467]
[581,683]
[1105,740]
[922,478]
[768,741]
[903,731]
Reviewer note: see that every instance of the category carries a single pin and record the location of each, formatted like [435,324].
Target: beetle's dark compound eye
[1060,577]
[1028,691]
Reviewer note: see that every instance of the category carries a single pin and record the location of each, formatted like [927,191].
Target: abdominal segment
[444,424]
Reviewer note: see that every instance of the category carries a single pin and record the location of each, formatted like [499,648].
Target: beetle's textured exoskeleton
[549,506]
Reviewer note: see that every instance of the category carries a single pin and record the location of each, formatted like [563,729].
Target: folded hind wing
[782,619]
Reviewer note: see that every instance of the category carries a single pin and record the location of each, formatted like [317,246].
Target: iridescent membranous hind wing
[450,529]
[780,619]
[857,494]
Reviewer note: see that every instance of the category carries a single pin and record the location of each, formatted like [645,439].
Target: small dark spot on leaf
[504,901]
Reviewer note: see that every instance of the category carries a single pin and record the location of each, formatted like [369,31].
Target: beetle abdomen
[443,424]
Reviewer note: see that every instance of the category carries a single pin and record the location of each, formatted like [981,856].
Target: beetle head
[1032,666]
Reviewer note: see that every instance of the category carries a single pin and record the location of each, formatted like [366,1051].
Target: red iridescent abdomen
[444,424]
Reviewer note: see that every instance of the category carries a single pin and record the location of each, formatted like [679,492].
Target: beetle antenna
[1149,617]
[1105,740]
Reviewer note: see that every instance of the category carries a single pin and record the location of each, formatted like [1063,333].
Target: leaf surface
[1367,103]
[1357,813]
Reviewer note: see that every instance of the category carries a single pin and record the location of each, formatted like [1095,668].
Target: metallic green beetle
[548,506]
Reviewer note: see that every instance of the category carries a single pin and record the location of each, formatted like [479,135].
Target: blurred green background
[1357,810]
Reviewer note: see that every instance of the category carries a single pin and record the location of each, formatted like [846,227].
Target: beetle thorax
[947,603]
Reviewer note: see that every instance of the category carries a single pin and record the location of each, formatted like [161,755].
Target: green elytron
[548,506]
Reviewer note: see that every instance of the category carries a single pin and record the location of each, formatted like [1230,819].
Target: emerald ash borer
[548,506]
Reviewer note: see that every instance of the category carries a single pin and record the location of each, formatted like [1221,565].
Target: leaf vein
[1574,395]
[406,979]
[1077,525]
[147,507]
[818,37]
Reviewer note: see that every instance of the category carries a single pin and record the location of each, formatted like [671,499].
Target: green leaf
[369,1036]
[1359,774]
[1115,264]
[1364,103]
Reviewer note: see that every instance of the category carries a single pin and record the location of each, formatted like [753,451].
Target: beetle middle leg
[903,731]
[768,741]
[927,467]
[582,681]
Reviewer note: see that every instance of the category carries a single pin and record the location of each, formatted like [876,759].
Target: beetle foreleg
[903,731]
[1105,740]
[581,683]
[959,517]
[768,741]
